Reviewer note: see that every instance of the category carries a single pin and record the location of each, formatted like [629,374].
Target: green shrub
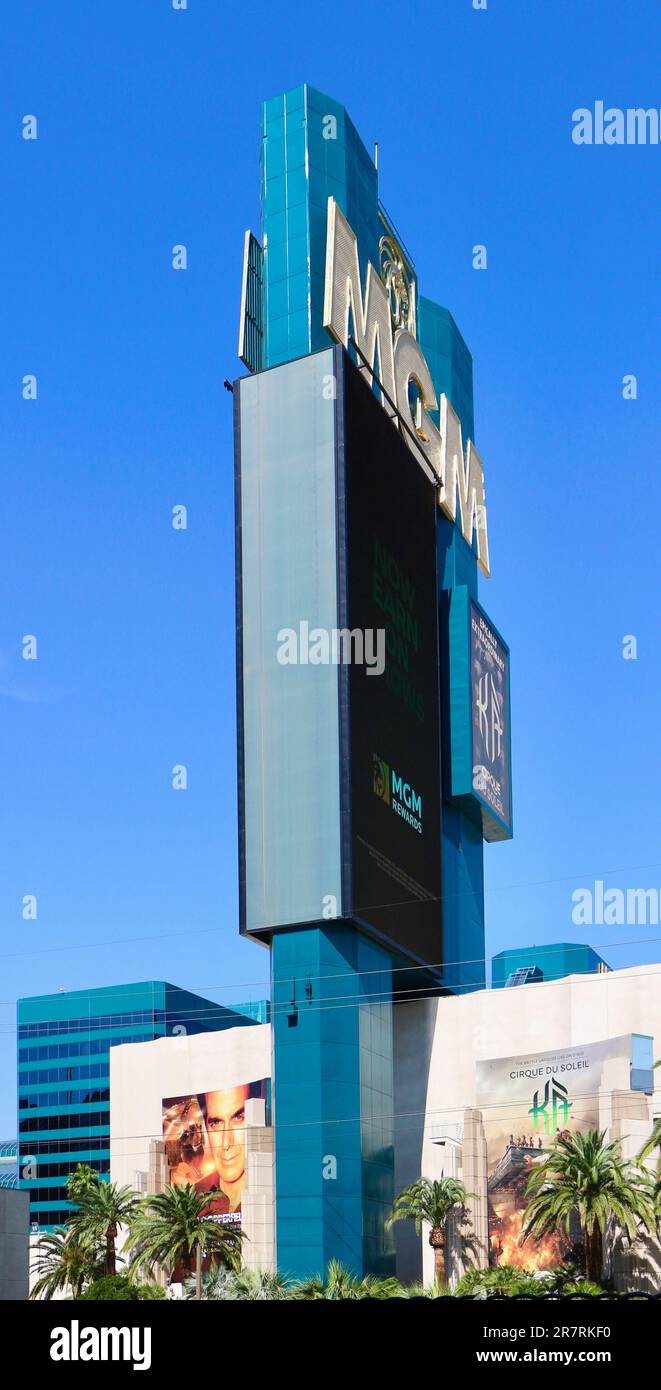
[149,1291]
[508,1279]
[118,1286]
[113,1286]
[505,1279]
[583,1286]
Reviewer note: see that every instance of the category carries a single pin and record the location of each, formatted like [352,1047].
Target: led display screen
[490,716]
[391,737]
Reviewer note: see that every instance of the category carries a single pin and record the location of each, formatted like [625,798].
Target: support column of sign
[333,1075]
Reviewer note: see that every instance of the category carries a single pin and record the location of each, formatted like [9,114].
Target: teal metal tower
[332,986]
[311,151]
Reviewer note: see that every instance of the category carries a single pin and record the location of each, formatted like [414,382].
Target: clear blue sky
[148,136]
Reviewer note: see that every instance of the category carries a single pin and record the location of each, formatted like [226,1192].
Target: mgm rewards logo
[389,786]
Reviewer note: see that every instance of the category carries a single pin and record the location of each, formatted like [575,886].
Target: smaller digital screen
[490,714]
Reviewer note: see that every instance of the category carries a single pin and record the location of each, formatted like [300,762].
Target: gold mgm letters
[400,363]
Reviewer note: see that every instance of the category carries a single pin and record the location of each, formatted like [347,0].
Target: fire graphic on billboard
[506,1247]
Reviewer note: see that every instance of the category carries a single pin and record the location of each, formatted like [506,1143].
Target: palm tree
[586,1175]
[431,1202]
[81,1180]
[102,1208]
[64,1260]
[170,1227]
[341,1283]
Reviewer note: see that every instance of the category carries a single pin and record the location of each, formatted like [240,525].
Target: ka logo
[489,704]
[381,776]
[555,1107]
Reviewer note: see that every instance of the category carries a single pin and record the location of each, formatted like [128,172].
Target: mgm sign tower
[373,690]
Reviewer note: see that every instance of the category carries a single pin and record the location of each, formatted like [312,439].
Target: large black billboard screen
[393,723]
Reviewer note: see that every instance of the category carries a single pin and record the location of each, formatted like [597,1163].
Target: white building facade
[483,1084]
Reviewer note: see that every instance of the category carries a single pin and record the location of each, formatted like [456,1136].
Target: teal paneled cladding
[555,961]
[334,1099]
[310,152]
[449,359]
[284,227]
[463,902]
[456,560]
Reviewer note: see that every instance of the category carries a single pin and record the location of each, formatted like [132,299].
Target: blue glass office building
[337,962]
[64,1042]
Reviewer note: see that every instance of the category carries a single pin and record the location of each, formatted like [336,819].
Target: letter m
[372,331]
[110,1339]
[640,123]
[397,789]
[638,902]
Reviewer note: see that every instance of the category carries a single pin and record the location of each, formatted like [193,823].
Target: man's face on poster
[225,1118]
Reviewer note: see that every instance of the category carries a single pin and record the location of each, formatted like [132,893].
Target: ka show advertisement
[527,1103]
